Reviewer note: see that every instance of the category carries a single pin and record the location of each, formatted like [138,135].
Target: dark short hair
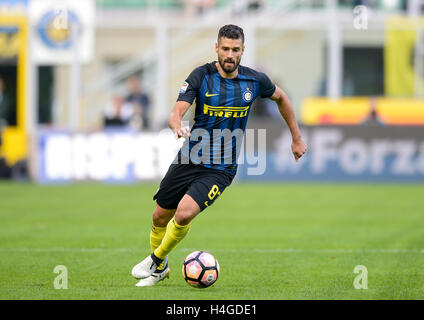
[231,31]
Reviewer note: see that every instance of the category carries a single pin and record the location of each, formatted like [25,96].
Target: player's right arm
[176,118]
[188,93]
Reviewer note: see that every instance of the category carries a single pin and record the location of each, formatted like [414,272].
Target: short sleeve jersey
[222,109]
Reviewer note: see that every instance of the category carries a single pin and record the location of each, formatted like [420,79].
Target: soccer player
[224,93]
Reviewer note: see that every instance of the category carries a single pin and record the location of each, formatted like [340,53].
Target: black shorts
[203,184]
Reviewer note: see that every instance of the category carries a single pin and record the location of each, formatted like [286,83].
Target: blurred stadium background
[86,88]
[87,85]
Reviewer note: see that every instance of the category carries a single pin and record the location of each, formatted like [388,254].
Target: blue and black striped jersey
[222,108]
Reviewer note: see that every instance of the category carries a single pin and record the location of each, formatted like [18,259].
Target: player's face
[229,53]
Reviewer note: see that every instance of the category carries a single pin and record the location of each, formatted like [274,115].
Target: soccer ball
[200,269]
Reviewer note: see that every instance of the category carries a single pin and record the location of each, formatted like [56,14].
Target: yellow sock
[174,234]
[156,236]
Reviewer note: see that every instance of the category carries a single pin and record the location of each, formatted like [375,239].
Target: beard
[228,65]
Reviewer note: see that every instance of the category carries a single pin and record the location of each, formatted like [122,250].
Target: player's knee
[184,215]
[162,216]
[187,209]
[158,220]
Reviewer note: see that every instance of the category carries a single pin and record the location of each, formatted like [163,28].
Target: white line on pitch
[314,250]
[244,250]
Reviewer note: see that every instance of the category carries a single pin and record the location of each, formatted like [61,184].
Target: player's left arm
[286,110]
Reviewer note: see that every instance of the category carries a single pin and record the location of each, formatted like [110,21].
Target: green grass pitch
[273,241]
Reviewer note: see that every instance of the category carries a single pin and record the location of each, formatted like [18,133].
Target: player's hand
[183,132]
[298,148]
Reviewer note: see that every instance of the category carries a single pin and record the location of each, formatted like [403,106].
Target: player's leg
[187,209]
[200,194]
[178,227]
[172,188]
[161,217]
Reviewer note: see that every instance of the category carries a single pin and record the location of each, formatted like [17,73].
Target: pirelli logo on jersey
[225,112]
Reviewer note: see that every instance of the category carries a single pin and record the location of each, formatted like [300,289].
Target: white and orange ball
[200,269]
